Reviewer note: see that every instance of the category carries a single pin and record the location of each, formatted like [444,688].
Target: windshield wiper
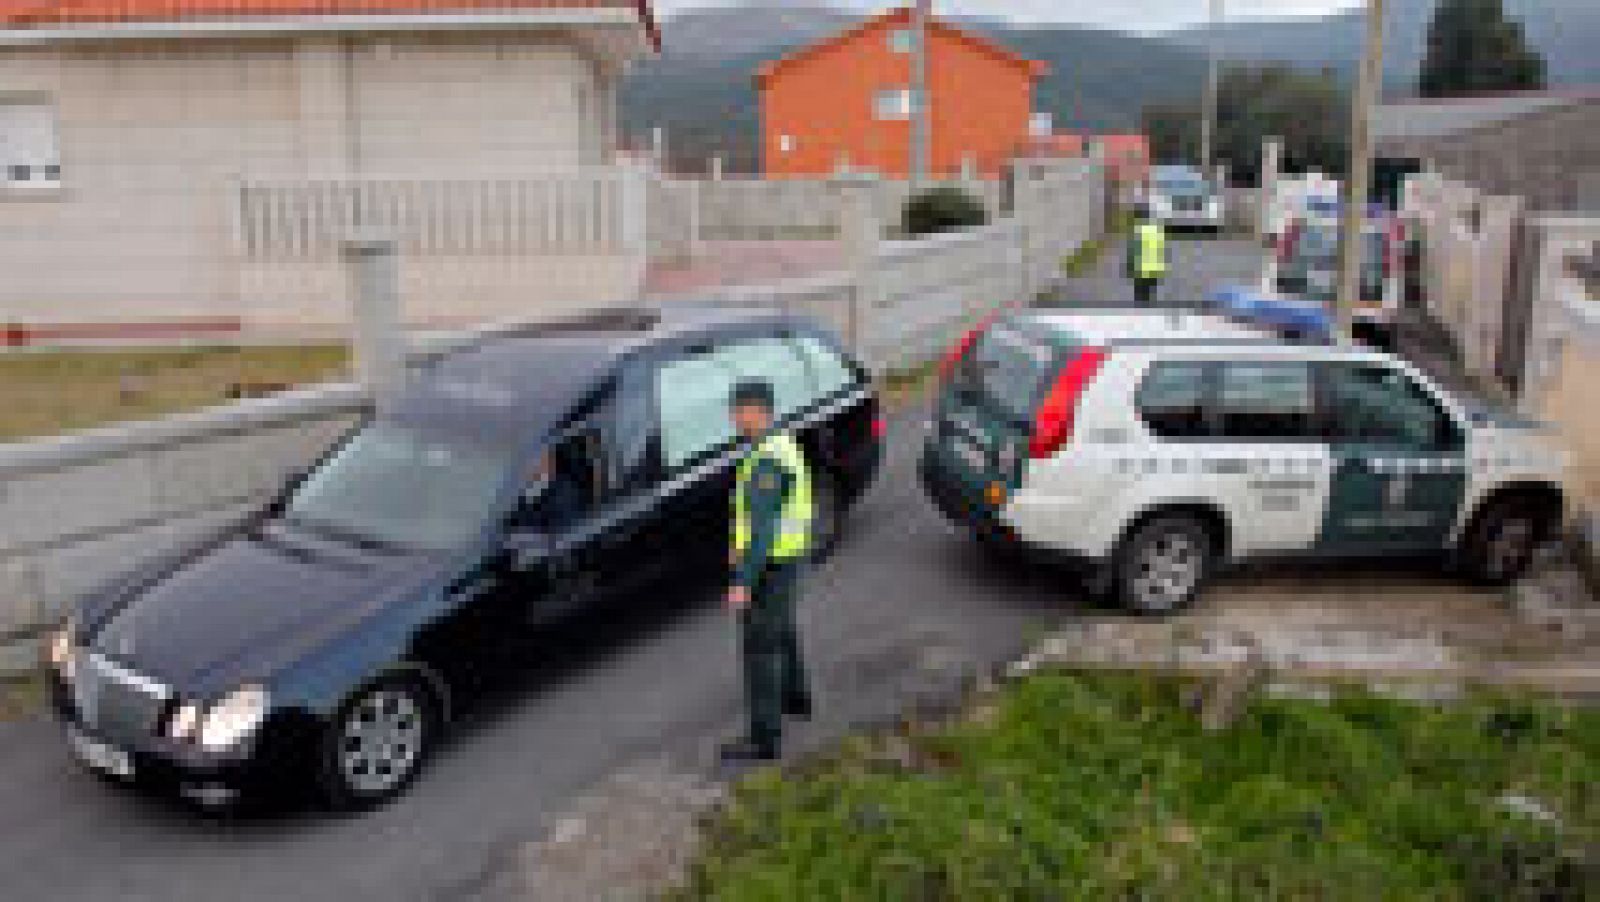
[342,534]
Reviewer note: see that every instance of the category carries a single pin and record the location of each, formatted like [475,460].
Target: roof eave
[594,17]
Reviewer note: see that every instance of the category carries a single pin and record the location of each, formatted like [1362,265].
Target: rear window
[1008,368]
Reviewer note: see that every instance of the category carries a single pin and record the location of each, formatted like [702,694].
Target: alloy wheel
[381,741]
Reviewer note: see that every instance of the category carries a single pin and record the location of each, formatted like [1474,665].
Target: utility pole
[921,140]
[1208,116]
[1358,185]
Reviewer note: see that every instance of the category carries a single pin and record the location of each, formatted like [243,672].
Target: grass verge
[50,392]
[21,696]
[1105,786]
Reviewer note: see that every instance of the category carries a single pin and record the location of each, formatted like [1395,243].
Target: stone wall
[79,510]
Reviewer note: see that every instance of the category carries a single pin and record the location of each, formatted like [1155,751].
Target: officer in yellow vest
[1147,256]
[772,513]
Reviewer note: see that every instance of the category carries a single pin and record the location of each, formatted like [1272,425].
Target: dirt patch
[1415,634]
[21,697]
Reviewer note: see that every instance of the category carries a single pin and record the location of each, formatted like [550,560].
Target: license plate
[99,755]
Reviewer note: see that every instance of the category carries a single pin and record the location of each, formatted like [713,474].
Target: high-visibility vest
[1152,241]
[794,523]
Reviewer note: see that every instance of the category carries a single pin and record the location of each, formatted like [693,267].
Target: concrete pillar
[1267,200]
[969,168]
[658,147]
[718,166]
[861,233]
[377,344]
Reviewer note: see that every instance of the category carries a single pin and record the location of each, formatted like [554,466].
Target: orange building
[848,101]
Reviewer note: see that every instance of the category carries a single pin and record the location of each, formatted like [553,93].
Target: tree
[1474,49]
[1310,111]
[942,209]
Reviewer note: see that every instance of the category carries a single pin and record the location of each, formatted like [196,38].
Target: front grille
[116,703]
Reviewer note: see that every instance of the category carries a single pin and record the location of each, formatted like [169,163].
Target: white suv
[1154,447]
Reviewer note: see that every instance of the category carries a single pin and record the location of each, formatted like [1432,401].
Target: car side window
[778,362]
[1266,401]
[1172,399]
[692,395]
[1372,403]
[630,437]
[828,371]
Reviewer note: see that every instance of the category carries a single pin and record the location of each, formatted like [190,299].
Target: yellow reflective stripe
[1152,250]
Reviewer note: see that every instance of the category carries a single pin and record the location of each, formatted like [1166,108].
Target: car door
[1399,462]
[699,449]
[1268,460]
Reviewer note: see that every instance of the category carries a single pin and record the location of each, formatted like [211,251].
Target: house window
[901,40]
[786,143]
[895,104]
[29,154]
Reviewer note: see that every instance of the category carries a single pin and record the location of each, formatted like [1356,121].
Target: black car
[518,480]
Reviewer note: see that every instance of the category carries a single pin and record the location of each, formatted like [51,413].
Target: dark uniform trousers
[1144,290]
[774,671]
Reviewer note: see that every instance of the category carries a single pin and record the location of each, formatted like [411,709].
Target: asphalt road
[1198,264]
[906,607]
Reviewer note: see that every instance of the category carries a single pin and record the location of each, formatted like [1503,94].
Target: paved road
[904,606]
[1199,264]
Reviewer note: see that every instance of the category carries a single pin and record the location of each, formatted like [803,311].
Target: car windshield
[394,486]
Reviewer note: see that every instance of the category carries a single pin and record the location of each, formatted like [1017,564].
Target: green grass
[1106,787]
[50,392]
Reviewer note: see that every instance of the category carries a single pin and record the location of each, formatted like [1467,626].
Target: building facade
[1542,146]
[848,103]
[158,157]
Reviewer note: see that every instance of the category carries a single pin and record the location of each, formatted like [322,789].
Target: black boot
[797,707]
[746,751]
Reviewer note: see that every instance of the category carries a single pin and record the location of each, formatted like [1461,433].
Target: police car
[1154,448]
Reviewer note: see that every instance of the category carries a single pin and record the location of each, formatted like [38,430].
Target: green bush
[1095,786]
[942,209]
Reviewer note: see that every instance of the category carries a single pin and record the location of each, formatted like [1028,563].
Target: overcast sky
[1127,15]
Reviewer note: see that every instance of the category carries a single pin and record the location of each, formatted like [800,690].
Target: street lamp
[1358,186]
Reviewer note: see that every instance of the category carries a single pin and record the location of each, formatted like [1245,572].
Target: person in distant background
[1147,256]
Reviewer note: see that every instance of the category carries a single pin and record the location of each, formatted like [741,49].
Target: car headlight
[185,721]
[233,719]
[61,651]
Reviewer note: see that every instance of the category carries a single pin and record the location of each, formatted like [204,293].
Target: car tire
[829,509]
[377,744]
[1503,539]
[1163,564]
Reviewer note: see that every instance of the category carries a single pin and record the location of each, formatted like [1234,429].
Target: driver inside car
[554,498]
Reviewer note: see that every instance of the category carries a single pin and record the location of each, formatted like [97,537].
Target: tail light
[959,351]
[1053,424]
[1286,245]
[880,427]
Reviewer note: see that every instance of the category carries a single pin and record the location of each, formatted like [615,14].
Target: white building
[196,161]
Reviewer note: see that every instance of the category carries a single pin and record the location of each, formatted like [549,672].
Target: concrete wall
[80,510]
[780,209]
[153,134]
[1564,346]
